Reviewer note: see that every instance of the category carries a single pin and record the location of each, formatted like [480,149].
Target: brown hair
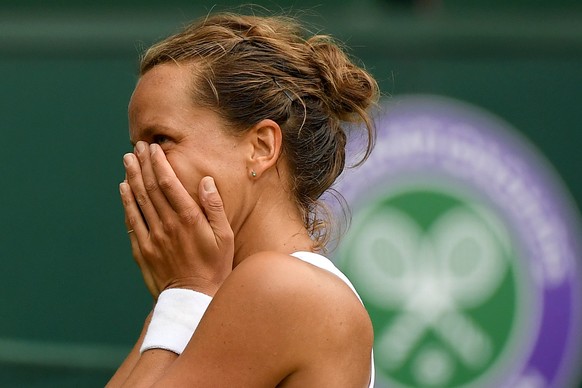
[256,68]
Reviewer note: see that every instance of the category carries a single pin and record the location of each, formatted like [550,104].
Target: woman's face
[161,111]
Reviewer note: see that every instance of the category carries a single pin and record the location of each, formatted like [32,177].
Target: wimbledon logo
[462,247]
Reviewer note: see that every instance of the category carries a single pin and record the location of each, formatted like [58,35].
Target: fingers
[139,193]
[134,219]
[173,238]
[131,233]
[214,209]
[136,227]
[150,181]
[175,193]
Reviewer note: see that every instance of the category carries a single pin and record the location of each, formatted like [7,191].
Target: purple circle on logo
[431,136]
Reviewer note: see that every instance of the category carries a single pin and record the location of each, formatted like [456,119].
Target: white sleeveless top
[326,264]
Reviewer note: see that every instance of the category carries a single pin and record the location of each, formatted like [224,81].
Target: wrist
[199,285]
[176,316]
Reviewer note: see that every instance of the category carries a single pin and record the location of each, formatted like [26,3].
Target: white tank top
[326,264]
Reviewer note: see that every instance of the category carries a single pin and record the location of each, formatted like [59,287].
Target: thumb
[214,208]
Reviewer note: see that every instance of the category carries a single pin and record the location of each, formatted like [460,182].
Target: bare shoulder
[282,322]
[324,324]
[279,277]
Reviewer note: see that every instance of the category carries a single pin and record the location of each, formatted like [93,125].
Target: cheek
[186,173]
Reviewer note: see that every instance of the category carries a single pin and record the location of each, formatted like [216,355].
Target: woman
[236,123]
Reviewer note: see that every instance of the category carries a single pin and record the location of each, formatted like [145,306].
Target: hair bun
[349,89]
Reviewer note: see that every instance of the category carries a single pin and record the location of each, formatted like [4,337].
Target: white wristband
[176,316]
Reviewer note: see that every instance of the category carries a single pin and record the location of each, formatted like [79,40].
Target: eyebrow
[145,133]
[148,132]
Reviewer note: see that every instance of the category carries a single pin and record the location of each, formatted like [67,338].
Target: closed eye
[160,139]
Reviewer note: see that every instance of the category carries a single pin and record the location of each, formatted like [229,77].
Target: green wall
[72,300]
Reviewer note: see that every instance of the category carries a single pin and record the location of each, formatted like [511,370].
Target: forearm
[166,334]
[149,368]
[130,361]
[142,369]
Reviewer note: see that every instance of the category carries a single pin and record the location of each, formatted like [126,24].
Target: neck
[271,225]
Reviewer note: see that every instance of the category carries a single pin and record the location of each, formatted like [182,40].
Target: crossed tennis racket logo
[430,277]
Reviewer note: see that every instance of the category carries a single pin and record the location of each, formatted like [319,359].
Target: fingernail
[140,147]
[153,148]
[123,187]
[127,159]
[209,185]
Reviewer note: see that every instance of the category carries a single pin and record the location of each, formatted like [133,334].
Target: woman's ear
[266,140]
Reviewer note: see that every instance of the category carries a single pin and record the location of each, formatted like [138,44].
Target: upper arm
[239,340]
[270,319]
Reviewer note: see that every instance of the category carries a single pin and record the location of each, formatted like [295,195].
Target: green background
[495,317]
[72,301]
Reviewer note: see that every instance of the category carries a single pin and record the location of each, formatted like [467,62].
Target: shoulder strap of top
[326,264]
